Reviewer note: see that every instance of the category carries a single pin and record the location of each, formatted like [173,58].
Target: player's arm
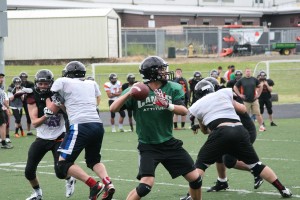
[240,108]
[203,128]
[118,103]
[98,100]
[33,112]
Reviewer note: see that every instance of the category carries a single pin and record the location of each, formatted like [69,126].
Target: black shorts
[230,140]
[86,136]
[2,117]
[170,154]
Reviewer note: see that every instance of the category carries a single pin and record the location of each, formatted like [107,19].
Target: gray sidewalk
[282,111]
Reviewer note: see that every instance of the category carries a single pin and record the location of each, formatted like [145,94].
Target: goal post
[265,66]
[282,72]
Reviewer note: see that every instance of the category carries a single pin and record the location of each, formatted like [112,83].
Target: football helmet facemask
[155,68]
[23,76]
[43,81]
[75,69]
[203,88]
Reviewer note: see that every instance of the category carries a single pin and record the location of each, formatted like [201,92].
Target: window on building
[228,21]
[206,21]
[259,1]
[228,1]
[184,21]
[247,23]
[210,1]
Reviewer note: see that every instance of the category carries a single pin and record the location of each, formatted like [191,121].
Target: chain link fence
[206,41]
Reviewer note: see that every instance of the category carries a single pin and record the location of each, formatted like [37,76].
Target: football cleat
[257,182]
[187,197]
[7,146]
[70,186]
[36,195]
[273,124]
[286,193]
[109,191]
[219,186]
[96,190]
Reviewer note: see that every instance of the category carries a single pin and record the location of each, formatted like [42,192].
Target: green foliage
[140,50]
[278,148]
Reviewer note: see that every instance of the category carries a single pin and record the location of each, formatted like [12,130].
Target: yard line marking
[169,184]
[273,140]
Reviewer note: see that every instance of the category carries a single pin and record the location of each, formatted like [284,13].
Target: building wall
[289,20]
[132,20]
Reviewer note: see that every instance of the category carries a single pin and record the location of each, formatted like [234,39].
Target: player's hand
[57,99]
[47,112]
[160,99]
[195,128]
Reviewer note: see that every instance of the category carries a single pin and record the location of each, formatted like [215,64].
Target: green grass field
[285,75]
[278,147]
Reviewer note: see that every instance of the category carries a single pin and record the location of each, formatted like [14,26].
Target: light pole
[269,36]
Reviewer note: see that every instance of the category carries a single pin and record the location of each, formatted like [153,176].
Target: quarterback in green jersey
[154,124]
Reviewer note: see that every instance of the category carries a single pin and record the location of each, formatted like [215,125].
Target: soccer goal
[265,65]
[285,74]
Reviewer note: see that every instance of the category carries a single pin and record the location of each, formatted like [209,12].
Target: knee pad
[257,169]
[30,174]
[196,184]
[122,113]
[62,168]
[229,161]
[143,189]
[112,115]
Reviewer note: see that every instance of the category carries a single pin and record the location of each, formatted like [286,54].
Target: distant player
[113,89]
[130,82]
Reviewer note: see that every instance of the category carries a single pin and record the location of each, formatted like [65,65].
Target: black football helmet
[75,69]
[43,75]
[197,76]
[130,78]
[214,73]
[214,82]
[113,78]
[203,88]
[17,81]
[155,68]
[23,76]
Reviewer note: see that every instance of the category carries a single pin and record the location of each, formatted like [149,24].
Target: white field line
[157,183]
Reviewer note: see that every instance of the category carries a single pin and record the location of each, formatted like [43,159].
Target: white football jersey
[52,128]
[215,106]
[80,99]
[113,88]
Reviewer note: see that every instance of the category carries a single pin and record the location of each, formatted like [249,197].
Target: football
[139,91]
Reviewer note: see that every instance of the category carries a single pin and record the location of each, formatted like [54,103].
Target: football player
[130,81]
[193,82]
[86,129]
[26,84]
[154,124]
[113,89]
[227,135]
[50,130]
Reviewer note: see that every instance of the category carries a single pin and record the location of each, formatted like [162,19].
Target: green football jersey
[154,123]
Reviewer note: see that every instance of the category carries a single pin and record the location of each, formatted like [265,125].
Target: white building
[63,34]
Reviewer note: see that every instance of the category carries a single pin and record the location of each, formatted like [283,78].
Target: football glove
[47,112]
[57,99]
[160,99]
